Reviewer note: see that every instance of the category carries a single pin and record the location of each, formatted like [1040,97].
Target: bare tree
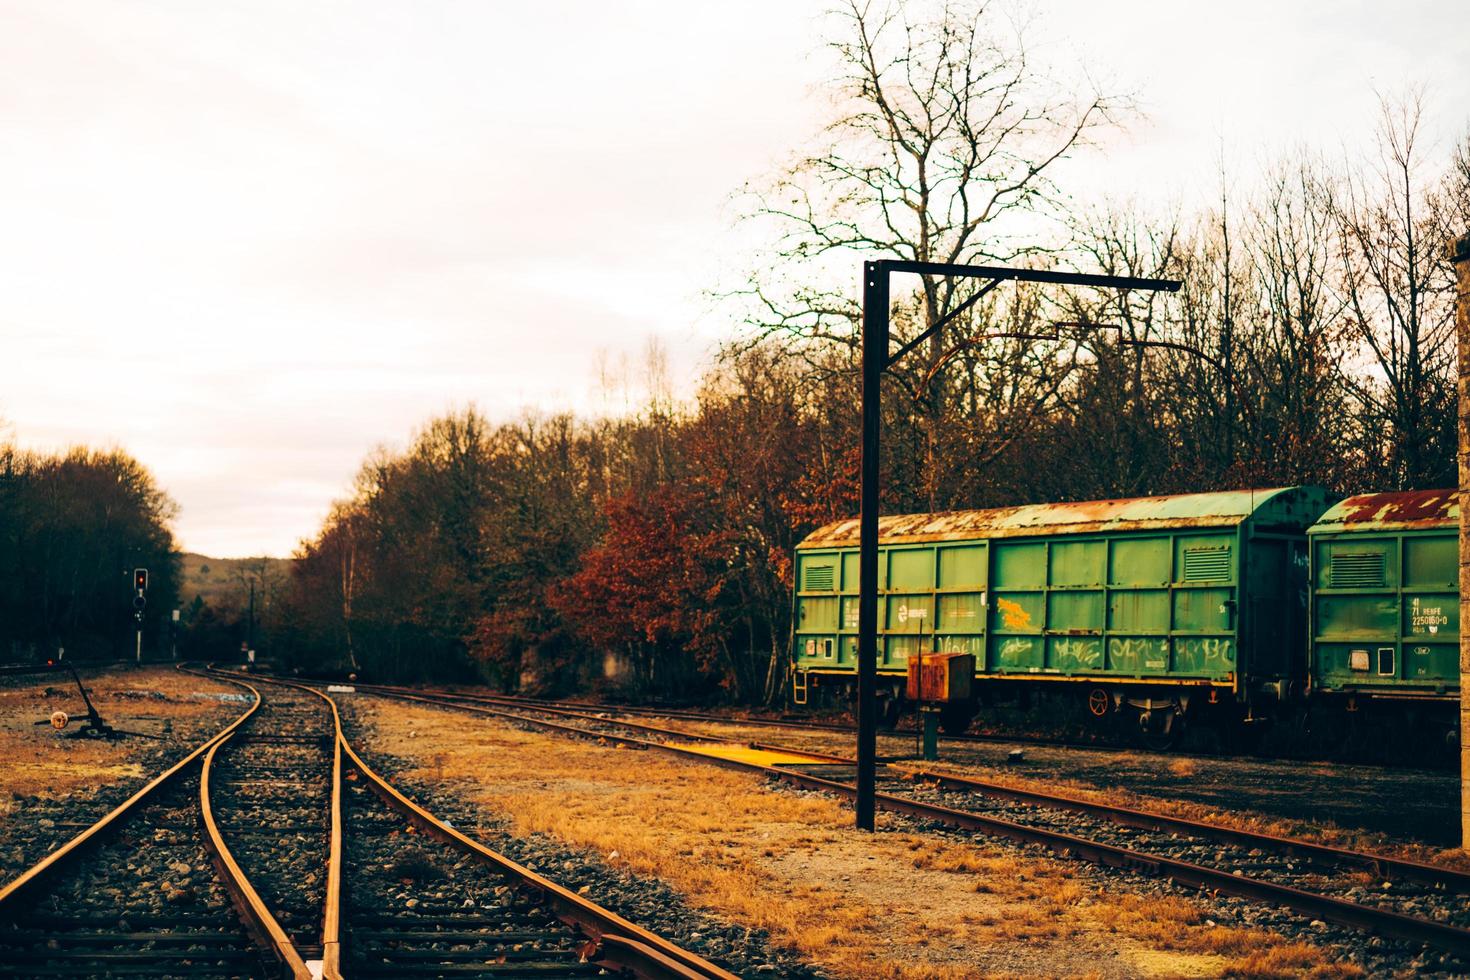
[1292,351]
[1114,408]
[1459,187]
[1215,307]
[944,149]
[1398,284]
[947,133]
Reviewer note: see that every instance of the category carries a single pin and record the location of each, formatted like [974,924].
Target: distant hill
[224,583]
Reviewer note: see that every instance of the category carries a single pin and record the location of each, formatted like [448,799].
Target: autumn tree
[393,579]
[328,575]
[770,470]
[643,591]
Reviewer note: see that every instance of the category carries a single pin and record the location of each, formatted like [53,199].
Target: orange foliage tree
[645,590]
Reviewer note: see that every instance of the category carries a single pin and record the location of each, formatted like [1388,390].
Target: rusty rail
[252,908]
[332,905]
[620,944]
[799,725]
[1382,865]
[332,913]
[1364,917]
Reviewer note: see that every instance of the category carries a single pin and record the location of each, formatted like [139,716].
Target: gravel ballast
[647,902]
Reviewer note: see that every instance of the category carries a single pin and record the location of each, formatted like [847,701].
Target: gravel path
[415,903]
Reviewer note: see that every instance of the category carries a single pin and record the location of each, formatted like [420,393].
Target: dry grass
[1171,923]
[1319,832]
[892,905]
[37,760]
[1238,819]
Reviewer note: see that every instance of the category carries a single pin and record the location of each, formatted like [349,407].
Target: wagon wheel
[1167,739]
[1163,741]
[1099,703]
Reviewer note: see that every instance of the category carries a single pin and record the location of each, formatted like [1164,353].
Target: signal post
[878,357]
[140,600]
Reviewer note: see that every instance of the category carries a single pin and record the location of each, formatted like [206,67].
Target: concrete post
[1460,255]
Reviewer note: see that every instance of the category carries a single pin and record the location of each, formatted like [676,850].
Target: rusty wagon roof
[1290,506]
[1402,510]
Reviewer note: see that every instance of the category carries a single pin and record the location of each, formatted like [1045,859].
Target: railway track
[1101,742]
[269,788]
[133,894]
[294,821]
[1407,900]
[1139,819]
[811,725]
[406,894]
[800,724]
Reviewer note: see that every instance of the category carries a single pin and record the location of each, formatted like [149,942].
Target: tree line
[73,527]
[1312,343]
[532,551]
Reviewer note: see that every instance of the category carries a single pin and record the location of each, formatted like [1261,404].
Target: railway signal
[878,357]
[140,601]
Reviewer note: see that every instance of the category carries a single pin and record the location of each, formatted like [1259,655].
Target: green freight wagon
[1386,599]
[1155,606]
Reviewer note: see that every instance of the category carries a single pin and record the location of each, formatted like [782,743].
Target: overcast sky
[249,241]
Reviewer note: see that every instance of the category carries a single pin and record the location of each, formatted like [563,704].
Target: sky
[251,241]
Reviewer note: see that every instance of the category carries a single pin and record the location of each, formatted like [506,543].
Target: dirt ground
[40,762]
[897,904]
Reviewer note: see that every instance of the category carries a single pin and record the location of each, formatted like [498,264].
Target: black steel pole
[875,359]
[875,362]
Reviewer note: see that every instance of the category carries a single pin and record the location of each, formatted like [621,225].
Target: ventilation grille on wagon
[818,578]
[1206,564]
[1357,570]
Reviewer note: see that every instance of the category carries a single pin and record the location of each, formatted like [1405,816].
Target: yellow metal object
[744,753]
